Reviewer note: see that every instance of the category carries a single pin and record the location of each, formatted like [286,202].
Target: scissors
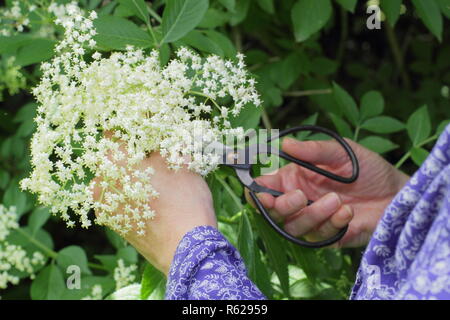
[242,161]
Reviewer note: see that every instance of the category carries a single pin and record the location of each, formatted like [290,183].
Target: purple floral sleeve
[408,256]
[207,267]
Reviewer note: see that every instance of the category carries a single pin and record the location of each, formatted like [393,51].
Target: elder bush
[313,62]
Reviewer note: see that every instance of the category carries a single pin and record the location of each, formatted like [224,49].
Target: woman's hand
[359,204]
[184,202]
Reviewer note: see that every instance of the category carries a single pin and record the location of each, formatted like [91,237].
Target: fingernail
[298,199]
[331,202]
[347,213]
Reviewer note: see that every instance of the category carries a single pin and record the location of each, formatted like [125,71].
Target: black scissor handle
[300,242]
[355,172]
[310,166]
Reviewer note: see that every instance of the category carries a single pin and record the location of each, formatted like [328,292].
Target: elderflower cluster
[11,79]
[124,275]
[14,18]
[14,259]
[100,116]
[96,293]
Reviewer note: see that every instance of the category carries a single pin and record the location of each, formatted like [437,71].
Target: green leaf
[276,251]
[303,289]
[228,4]
[180,17]
[4,179]
[240,12]
[308,17]
[128,254]
[383,124]
[441,128]
[419,125]
[48,285]
[341,125]
[13,196]
[198,40]
[115,33]
[348,5]
[117,241]
[419,155]
[430,14]
[35,51]
[38,218]
[346,104]
[248,118]
[223,42]
[138,7]
[246,244]
[214,18]
[445,7]
[372,104]
[378,144]
[73,255]
[267,5]
[392,10]
[153,283]
[9,44]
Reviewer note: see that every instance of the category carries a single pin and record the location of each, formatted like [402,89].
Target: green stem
[398,57]
[51,253]
[233,195]
[307,92]
[266,120]
[408,154]
[355,138]
[198,93]
[153,13]
[344,36]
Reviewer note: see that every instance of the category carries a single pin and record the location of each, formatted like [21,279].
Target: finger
[333,225]
[328,152]
[290,203]
[266,199]
[314,215]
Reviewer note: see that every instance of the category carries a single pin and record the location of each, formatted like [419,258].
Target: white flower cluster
[11,78]
[96,293]
[124,275]
[13,258]
[14,18]
[91,107]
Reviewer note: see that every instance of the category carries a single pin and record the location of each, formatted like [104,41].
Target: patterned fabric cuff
[207,266]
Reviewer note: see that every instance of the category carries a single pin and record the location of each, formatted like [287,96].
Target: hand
[359,204]
[184,202]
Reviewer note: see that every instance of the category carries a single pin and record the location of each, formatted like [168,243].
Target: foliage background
[315,62]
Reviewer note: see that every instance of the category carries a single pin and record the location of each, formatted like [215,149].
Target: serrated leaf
[346,104]
[378,144]
[430,14]
[348,5]
[383,124]
[372,104]
[117,33]
[392,10]
[419,125]
[73,255]
[308,17]
[180,17]
[419,155]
